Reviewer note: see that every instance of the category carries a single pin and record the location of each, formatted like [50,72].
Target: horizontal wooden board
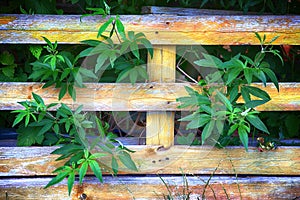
[36,161]
[138,97]
[159,29]
[193,11]
[125,187]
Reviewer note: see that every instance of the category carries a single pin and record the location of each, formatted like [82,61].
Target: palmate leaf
[27,136]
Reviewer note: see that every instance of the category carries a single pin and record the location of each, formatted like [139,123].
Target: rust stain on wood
[7,19]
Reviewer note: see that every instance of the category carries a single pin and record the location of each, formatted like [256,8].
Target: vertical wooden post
[162,68]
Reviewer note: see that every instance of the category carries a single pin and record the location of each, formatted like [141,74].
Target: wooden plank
[287,99]
[35,161]
[138,97]
[100,97]
[159,29]
[161,68]
[129,187]
[192,11]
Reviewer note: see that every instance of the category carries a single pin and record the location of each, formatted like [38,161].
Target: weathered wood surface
[36,161]
[193,11]
[160,124]
[159,29]
[138,97]
[128,187]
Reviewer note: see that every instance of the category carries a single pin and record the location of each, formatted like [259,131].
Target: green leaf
[87,73]
[45,128]
[82,171]
[8,71]
[234,93]
[197,120]
[7,58]
[233,73]
[127,161]
[63,91]
[135,49]
[133,75]
[27,136]
[58,178]
[232,129]
[257,123]
[100,62]
[248,72]
[257,92]
[148,45]
[71,180]
[273,39]
[97,155]
[18,118]
[243,136]
[207,131]
[224,100]
[48,42]
[67,149]
[72,91]
[114,165]
[92,43]
[104,26]
[120,28]
[186,140]
[125,73]
[38,99]
[258,37]
[96,169]
[142,72]
[272,76]
[209,61]
[261,75]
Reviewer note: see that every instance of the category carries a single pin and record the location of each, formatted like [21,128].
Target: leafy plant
[124,58]
[72,130]
[60,69]
[219,110]
[8,65]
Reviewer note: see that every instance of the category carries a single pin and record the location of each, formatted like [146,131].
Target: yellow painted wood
[37,161]
[161,68]
[138,97]
[159,29]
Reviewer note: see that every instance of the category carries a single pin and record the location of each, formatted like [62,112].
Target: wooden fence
[24,171]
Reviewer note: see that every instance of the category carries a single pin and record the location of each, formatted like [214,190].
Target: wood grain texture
[35,161]
[138,97]
[131,187]
[159,29]
[161,68]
